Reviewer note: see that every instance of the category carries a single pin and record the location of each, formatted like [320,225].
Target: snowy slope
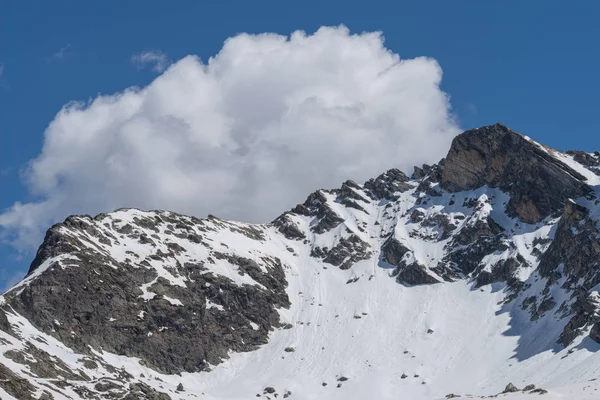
[395,289]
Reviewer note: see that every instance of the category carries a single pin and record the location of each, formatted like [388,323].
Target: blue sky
[530,65]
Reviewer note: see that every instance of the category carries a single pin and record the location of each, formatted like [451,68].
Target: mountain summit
[478,274]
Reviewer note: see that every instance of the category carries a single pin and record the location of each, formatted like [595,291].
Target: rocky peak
[495,156]
[145,302]
[386,185]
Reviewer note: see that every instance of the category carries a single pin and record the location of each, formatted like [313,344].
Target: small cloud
[1,69]
[60,54]
[155,58]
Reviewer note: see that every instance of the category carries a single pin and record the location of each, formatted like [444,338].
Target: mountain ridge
[501,219]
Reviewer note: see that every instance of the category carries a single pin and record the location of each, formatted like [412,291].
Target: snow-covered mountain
[476,272]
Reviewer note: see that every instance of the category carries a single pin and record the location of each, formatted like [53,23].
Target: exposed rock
[347,252]
[288,228]
[107,385]
[407,270]
[591,161]
[91,292]
[316,206]
[539,391]
[15,386]
[595,332]
[393,251]
[141,391]
[495,156]
[386,185]
[510,388]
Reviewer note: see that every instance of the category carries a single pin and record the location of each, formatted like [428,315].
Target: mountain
[476,275]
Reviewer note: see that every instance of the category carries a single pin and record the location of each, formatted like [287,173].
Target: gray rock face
[590,160]
[575,255]
[316,206]
[97,301]
[407,271]
[387,184]
[345,254]
[495,156]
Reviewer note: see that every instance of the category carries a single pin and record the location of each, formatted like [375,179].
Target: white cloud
[245,136]
[155,58]
[61,54]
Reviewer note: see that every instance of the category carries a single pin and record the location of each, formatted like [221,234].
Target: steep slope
[475,272]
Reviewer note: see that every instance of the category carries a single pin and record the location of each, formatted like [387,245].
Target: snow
[359,323]
[210,304]
[174,302]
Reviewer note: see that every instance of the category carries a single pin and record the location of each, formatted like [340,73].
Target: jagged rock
[592,161]
[407,271]
[387,184]
[316,206]
[495,156]
[15,386]
[141,391]
[288,228]
[413,274]
[502,271]
[595,332]
[180,295]
[92,292]
[347,252]
[419,173]
[528,388]
[510,388]
[393,251]
[576,251]
[440,221]
[42,364]
[105,386]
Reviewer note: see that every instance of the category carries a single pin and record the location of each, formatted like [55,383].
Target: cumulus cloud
[246,135]
[154,58]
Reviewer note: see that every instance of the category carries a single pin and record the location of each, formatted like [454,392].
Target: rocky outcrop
[387,185]
[325,219]
[407,270]
[538,183]
[288,228]
[91,299]
[590,160]
[574,255]
[345,253]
